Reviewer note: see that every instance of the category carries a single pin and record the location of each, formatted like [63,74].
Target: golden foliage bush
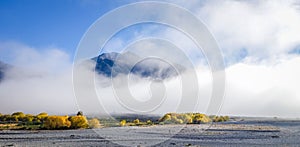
[172,118]
[220,118]
[44,121]
[189,118]
[166,117]
[41,117]
[78,122]
[94,123]
[201,118]
[57,122]
[136,121]
[28,118]
[149,122]
[4,117]
[19,114]
[122,122]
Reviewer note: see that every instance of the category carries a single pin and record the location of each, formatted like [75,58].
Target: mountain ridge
[113,64]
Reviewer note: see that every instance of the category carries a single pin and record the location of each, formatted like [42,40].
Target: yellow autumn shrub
[136,121]
[123,122]
[57,122]
[94,123]
[78,122]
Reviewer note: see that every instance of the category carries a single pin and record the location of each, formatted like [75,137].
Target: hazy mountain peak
[113,64]
[3,67]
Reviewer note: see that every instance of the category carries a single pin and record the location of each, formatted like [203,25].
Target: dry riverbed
[251,132]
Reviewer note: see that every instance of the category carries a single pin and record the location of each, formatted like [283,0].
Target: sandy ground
[235,133]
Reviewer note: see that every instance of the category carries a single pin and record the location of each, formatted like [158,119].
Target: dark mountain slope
[113,64]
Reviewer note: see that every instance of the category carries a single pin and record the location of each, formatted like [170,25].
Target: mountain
[113,64]
[3,67]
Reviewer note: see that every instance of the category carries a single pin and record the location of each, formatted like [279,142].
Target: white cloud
[39,80]
[49,59]
[263,90]
[263,28]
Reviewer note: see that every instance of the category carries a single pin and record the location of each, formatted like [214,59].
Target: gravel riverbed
[234,133]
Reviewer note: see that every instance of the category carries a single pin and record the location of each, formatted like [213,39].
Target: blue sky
[50,22]
[61,24]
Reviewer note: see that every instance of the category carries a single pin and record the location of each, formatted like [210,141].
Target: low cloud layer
[252,89]
[263,89]
[38,80]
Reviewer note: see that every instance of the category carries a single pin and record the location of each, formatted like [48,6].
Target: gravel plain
[246,132]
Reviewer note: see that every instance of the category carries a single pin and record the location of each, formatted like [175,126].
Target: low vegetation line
[21,121]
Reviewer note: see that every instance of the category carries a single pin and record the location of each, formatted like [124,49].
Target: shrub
[57,122]
[43,114]
[166,117]
[136,121]
[19,114]
[175,118]
[123,122]
[5,117]
[179,121]
[41,117]
[161,123]
[94,123]
[220,118]
[13,118]
[78,122]
[187,118]
[149,122]
[201,118]
[217,119]
[226,118]
[28,118]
